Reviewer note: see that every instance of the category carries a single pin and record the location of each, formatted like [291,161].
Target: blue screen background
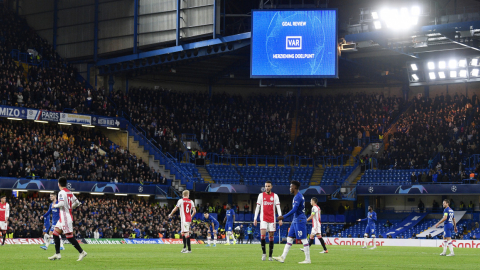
[318,39]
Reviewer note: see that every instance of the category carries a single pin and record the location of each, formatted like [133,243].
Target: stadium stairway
[25,69]
[355,152]
[295,131]
[205,175]
[359,176]
[317,176]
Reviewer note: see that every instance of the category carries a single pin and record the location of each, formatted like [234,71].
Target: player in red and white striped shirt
[315,217]
[266,203]
[66,203]
[4,214]
[187,210]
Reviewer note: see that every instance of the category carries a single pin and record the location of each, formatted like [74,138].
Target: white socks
[287,247]
[228,238]
[445,245]
[209,241]
[215,240]
[306,249]
[365,239]
[46,239]
[450,246]
[373,239]
[233,237]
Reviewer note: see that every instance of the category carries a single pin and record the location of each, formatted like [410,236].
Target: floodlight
[432,75]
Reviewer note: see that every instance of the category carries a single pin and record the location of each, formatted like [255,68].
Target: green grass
[234,257]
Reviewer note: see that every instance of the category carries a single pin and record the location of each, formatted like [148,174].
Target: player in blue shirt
[298,228]
[209,219]
[229,220]
[370,229]
[450,223]
[49,227]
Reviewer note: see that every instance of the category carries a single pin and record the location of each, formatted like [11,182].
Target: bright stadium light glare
[431,65]
[415,11]
[474,62]
[475,72]
[377,24]
[462,63]
[441,75]
[442,65]
[463,73]
[453,74]
[432,75]
[415,77]
[414,67]
[452,64]
[374,15]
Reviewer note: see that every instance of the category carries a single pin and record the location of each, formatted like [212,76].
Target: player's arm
[225,219]
[257,209]
[374,216]
[294,209]
[279,209]
[47,214]
[365,219]
[75,202]
[7,213]
[455,225]
[173,212]
[445,215]
[61,202]
[233,218]
[194,211]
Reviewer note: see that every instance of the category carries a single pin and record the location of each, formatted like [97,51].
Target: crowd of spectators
[29,149]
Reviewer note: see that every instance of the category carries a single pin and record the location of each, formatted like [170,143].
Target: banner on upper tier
[425,189]
[71,118]
[228,188]
[386,242]
[77,186]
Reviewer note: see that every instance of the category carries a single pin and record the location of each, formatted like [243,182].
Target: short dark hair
[315,200]
[3,196]
[268,182]
[62,181]
[295,183]
[447,201]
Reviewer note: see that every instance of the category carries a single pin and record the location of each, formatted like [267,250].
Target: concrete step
[205,175]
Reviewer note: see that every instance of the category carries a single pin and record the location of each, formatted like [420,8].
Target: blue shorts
[53,227]
[447,230]
[229,227]
[47,227]
[298,230]
[212,229]
[370,229]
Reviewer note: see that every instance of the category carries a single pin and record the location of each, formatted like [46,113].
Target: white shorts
[66,228]
[3,226]
[317,230]
[270,227]
[185,227]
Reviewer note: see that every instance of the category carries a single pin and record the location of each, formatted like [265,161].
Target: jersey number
[450,217]
[187,208]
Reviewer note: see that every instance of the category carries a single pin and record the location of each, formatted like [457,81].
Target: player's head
[446,203]
[62,182]
[186,193]
[3,198]
[313,201]
[294,187]
[205,215]
[52,197]
[228,207]
[268,186]
[370,208]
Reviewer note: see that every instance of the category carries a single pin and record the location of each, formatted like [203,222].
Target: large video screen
[294,44]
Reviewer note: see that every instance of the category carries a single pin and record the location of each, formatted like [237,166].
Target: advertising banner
[15,112]
[42,184]
[32,114]
[144,241]
[75,118]
[48,116]
[105,241]
[387,242]
[23,241]
[425,189]
[180,241]
[285,190]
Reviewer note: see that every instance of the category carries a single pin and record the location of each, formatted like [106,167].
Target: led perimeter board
[294,44]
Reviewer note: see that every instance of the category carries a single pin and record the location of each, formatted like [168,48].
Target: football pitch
[235,257]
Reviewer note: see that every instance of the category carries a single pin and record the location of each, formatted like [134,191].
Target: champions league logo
[113,188]
[411,190]
[222,188]
[313,191]
[32,184]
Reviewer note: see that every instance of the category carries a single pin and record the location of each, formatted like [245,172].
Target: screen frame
[293,76]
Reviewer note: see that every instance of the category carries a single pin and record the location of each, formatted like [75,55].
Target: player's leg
[450,246]
[263,235]
[372,234]
[215,237]
[320,238]
[365,237]
[209,237]
[233,235]
[187,240]
[56,238]
[301,233]
[76,245]
[447,240]
[227,237]
[290,238]
[4,236]
[271,242]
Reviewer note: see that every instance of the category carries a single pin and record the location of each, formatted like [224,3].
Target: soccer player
[450,223]
[370,229]
[298,228]
[4,215]
[187,210]
[66,203]
[49,227]
[229,221]
[316,225]
[266,203]
[213,229]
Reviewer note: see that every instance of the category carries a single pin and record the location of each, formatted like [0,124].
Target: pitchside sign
[387,242]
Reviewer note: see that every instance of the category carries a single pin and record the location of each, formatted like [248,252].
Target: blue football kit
[229,225]
[298,228]
[211,219]
[448,224]
[371,218]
